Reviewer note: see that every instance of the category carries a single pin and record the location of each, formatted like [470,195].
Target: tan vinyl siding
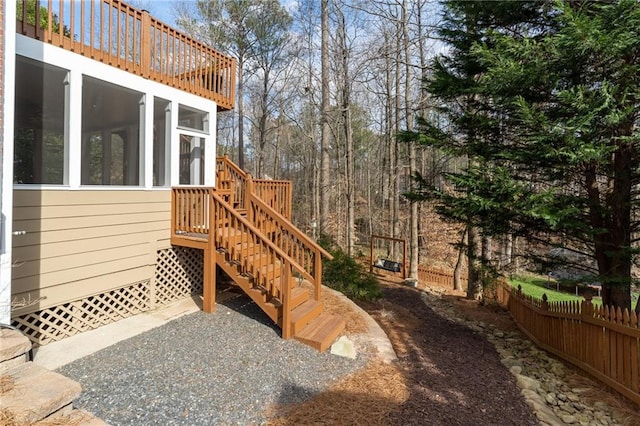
[81,243]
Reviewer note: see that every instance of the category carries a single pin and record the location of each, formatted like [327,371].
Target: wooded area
[520,118]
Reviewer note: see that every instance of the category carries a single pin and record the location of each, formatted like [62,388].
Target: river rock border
[540,377]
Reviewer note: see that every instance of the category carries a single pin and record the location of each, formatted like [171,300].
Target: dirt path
[453,375]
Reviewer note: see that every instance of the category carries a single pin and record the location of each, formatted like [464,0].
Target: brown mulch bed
[454,376]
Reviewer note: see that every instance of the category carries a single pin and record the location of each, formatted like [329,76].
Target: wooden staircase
[244,228]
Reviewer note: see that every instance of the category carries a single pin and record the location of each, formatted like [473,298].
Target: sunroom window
[110,134]
[40,98]
[190,118]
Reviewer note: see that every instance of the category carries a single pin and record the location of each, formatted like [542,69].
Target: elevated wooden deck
[251,238]
[113,32]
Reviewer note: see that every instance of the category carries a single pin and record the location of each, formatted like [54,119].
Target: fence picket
[601,340]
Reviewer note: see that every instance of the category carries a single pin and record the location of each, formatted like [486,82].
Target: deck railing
[122,36]
[207,212]
[227,174]
[276,193]
[601,341]
[291,240]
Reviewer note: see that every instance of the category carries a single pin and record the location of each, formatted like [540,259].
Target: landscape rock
[516,370]
[344,347]
[527,382]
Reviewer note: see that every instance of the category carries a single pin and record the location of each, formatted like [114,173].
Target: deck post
[209,284]
[209,281]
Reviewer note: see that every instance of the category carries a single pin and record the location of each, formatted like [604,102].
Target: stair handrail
[313,269]
[234,173]
[245,183]
[288,263]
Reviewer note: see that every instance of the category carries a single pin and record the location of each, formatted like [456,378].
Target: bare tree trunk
[413,219]
[474,254]
[348,136]
[324,138]
[395,228]
[457,271]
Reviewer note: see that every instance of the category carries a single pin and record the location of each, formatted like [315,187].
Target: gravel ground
[203,369]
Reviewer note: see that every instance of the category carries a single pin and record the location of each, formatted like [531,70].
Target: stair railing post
[286,301]
[248,193]
[317,273]
[225,167]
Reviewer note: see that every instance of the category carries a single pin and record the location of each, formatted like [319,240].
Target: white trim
[6,178]
[74,155]
[146,132]
[175,146]
[210,146]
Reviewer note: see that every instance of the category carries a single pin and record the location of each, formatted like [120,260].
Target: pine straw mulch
[335,305]
[367,397]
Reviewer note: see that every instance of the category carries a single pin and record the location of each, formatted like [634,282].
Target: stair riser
[299,323]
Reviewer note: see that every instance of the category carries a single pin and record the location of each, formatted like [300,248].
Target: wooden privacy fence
[122,36]
[437,276]
[603,342]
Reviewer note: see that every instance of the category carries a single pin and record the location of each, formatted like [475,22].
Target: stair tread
[321,332]
[13,344]
[77,417]
[304,309]
[37,392]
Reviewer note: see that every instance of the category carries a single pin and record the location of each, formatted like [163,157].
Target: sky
[162,9]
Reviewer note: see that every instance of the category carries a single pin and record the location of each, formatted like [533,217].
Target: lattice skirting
[178,274]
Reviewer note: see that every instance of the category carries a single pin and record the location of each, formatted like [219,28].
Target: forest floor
[445,373]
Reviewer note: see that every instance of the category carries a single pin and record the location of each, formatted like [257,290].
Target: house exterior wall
[94,254]
[82,243]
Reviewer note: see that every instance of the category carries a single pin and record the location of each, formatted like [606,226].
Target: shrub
[346,275]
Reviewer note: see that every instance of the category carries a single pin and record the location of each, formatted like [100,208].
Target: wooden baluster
[286,303]
[145,44]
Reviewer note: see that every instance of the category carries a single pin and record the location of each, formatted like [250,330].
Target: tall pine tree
[558,161]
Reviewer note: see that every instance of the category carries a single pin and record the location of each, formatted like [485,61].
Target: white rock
[525,382]
[344,347]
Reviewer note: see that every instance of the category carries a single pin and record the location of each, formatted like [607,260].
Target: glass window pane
[110,134]
[191,160]
[191,118]
[39,123]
